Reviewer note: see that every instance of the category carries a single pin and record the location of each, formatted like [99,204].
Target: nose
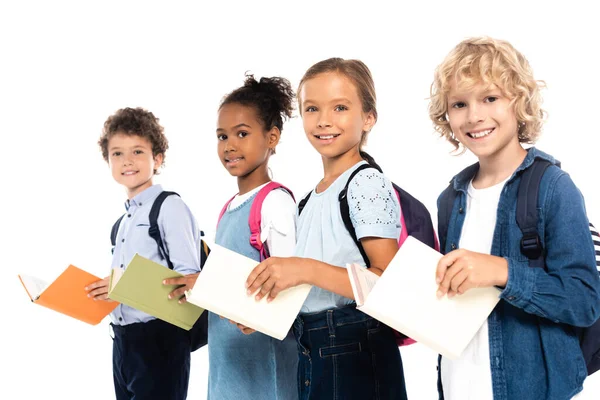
[229,146]
[324,120]
[127,159]
[475,114]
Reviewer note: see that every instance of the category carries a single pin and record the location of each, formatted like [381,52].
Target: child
[249,126]
[485,98]
[151,358]
[343,353]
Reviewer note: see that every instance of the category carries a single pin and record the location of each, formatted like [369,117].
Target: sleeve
[181,235]
[278,223]
[568,289]
[374,206]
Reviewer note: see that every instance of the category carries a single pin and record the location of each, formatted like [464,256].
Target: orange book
[68,296]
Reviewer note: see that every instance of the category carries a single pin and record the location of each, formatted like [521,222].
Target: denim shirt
[534,350]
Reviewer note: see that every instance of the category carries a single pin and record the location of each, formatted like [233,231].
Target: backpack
[531,245]
[199,332]
[414,217]
[254,219]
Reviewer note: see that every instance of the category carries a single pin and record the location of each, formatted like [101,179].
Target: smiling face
[482,118]
[332,114]
[243,145]
[131,162]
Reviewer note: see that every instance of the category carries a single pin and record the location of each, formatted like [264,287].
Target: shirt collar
[461,181]
[146,196]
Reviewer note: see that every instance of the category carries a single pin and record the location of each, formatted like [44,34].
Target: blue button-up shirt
[534,349]
[179,231]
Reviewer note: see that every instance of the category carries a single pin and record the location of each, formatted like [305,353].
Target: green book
[140,286]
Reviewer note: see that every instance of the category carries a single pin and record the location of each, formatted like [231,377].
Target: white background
[64,67]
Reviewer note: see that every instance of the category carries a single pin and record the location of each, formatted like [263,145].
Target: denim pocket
[339,350]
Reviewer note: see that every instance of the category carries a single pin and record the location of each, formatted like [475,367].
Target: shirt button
[452,246]
[128,215]
[121,265]
[123,240]
[461,210]
[120,319]
[306,382]
[511,297]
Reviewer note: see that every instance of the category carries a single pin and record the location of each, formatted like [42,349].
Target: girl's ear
[273,136]
[369,122]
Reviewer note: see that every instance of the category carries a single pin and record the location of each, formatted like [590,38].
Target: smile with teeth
[327,137]
[233,160]
[480,134]
[128,173]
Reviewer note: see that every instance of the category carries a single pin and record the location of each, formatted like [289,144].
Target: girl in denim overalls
[244,364]
[485,97]
[343,353]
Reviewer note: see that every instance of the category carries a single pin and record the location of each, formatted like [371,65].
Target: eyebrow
[235,127]
[336,100]
[137,146]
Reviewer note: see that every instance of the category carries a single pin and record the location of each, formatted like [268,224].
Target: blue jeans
[345,354]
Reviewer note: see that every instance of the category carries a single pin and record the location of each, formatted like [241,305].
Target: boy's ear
[158,160]
[370,121]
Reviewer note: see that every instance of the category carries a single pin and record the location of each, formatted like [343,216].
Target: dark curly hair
[273,99]
[134,121]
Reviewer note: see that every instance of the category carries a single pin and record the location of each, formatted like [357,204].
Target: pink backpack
[254,218]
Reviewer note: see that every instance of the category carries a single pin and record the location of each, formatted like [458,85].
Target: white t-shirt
[470,376]
[278,220]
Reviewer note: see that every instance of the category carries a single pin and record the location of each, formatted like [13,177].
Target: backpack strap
[303,203]
[224,209]
[345,212]
[113,233]
[527,212]
[154,230]
[447,199]
[255,217]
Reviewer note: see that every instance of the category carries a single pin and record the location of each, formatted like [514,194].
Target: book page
[221,289]
[405,299]
[34,286]
[115,275]
[362,281]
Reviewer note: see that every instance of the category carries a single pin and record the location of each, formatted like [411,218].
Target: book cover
[221,289]
[67,295]
[404,298]
[140,286]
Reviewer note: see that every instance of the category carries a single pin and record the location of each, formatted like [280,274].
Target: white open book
[221,289]
[404,298]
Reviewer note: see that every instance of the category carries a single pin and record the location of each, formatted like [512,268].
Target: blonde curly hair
[489,61]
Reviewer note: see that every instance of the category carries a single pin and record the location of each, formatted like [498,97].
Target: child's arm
[181,235]
[377,225]
[567,290]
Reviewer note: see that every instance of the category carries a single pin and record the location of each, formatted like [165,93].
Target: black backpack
[199,332]
[415,219]
[531,245]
